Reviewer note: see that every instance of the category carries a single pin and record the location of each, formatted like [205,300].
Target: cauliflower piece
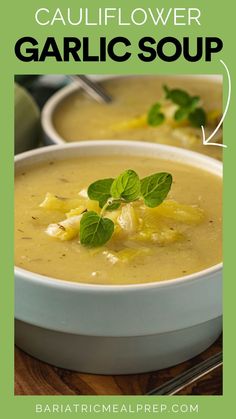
[128,220]
[65,230]
[58,203]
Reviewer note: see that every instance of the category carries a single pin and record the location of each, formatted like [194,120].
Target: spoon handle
[193,374]
[92,88]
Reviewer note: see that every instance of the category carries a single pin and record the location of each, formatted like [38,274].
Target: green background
[18,20]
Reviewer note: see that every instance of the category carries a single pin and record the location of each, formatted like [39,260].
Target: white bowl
[50,134]
[117,329]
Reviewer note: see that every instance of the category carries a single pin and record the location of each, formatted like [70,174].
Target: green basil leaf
[197,117]
[155,188]
[126,186]
[178,96]
[95,230]
[155,117]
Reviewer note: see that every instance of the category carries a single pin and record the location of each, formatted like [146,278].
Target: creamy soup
[78,117]
[177,238]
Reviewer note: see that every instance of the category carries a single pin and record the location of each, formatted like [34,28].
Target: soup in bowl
[117,245]
[71,115]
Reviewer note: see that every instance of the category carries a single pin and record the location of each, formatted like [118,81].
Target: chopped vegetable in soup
[92,220]
[166,110]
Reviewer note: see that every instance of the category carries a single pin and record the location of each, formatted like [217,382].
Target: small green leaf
[155,117]
[113,206]
[197,117]
[187,106]
[155,188]
[95,230]
[193,102]
[100,191]
[126,186]
[181,114]
[178,96]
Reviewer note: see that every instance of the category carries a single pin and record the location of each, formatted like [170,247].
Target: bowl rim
[51,104]
[83,286]
[51,282]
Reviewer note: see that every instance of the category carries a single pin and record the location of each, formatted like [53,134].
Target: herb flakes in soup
[130,226]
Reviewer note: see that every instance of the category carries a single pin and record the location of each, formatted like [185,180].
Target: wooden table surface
[33,377]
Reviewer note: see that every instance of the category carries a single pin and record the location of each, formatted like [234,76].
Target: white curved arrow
[206,140]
